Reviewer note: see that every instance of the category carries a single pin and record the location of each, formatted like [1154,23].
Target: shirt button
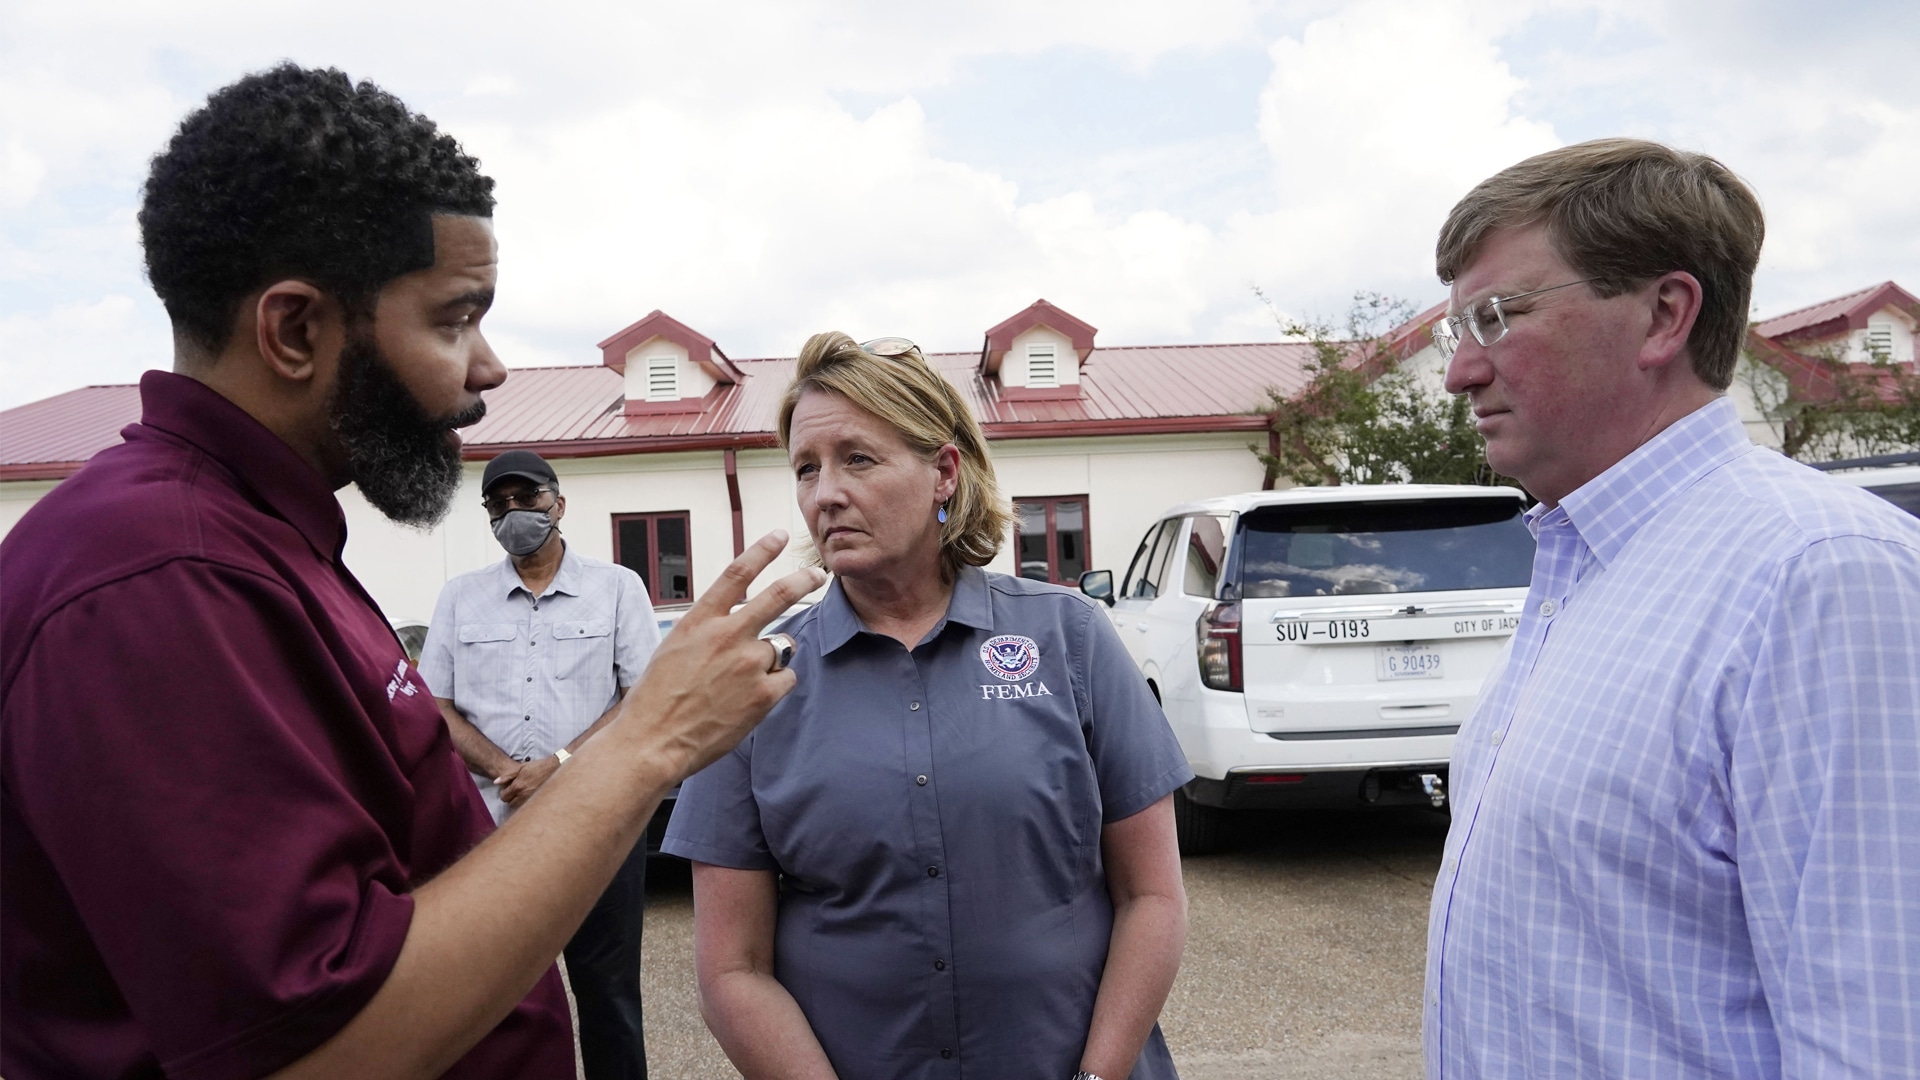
[939,965]
[921,780]
[946,1051]
[933,871]
[915,706]
[1548,607]
[529,678]
[1433,998]
[1497,736]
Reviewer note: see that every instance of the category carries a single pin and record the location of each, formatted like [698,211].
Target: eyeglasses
[525,500]
[893,348]
[1487,320]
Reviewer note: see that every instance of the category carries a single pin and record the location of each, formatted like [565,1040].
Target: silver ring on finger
[783,646]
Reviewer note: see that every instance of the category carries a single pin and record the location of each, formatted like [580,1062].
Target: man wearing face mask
[527,659]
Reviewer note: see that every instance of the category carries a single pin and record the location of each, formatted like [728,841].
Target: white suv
[1320,646]
[1898,483]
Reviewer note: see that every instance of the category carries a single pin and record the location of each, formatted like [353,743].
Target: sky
[765,169]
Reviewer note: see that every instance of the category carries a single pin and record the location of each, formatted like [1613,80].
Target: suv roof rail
[1875,462]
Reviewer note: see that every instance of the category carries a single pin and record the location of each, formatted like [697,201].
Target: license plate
[1368,629]
[1395,662]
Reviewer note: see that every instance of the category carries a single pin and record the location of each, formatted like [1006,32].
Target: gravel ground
[1304,957]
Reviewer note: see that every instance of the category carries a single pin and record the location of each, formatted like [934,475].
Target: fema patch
[1010,656]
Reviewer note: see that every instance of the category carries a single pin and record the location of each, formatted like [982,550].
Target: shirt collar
[565,580]
[970,605]
[258,460]
[1610,508]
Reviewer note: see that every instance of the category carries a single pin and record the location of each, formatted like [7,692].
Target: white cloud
[1378,119]
[104,340]
[700,159]
[21,171]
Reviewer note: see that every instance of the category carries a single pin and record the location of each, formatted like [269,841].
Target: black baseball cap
[522,463]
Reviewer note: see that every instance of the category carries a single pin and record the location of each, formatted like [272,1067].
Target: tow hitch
[1435,786]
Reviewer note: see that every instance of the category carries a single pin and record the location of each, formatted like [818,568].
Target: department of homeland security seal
[1010,656]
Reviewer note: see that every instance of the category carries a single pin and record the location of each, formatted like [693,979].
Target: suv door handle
[1142,627]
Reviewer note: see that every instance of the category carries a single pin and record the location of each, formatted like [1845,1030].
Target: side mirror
[1099,585]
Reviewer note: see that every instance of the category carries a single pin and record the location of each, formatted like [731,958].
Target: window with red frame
[1050,537]
[658,547]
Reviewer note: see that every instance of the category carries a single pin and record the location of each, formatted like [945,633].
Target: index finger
[779,596]
[731,586]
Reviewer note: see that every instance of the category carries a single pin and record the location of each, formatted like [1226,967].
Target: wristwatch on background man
[1083,1075]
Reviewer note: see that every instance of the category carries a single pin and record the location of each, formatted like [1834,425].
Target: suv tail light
[1218,634]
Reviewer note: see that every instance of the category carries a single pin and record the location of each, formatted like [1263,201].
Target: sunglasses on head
[893,348]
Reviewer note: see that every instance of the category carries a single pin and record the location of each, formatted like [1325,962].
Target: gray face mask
[522,532]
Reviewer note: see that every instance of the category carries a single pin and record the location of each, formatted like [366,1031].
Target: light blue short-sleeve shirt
[533,672]
[935,817]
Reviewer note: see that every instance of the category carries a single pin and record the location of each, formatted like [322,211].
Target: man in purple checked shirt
[235,837]
[1685,834]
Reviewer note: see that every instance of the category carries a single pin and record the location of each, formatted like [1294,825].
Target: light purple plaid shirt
[1686,833]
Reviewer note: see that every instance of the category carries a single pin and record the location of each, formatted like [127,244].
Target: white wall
[1750,382]
[1128,481]
[17,497]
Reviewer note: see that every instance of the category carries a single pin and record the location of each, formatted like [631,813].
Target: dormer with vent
[1037,354]
[1876,325]
[669,367]
[1888,337]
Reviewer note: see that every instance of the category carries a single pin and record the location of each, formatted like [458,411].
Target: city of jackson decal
[1011,658]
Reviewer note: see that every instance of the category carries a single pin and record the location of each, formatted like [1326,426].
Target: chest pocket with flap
[485,654]
[582,649]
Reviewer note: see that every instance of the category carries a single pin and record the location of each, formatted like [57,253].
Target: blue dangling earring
[943,515]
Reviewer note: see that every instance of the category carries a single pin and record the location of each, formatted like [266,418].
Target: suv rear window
[1382,547]
[1904,496]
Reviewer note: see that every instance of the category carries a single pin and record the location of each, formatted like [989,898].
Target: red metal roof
[1838,315]
[1415,334]
[49,439]
[576,411]
[1148,389]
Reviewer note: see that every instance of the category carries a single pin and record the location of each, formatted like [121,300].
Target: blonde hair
[1623,212]
[928,412]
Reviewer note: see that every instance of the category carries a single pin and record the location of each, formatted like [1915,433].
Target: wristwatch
[563,754]
[1083,1075]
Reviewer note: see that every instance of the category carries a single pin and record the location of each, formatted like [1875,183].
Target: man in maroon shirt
[235,838]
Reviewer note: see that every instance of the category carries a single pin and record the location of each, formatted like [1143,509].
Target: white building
[664,450]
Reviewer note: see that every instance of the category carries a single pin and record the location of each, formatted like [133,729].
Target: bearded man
[236,837]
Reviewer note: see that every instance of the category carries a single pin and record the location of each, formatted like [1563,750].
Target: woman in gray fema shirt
[950,851]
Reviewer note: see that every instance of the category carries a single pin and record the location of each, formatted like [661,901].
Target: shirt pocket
[485,656]
[582,649]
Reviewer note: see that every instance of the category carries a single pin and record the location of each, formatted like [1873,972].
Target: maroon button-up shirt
[219,779]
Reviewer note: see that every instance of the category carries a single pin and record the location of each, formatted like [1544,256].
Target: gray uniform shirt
[532,672]
[935,816]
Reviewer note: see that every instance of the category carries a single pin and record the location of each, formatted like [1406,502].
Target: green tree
[1870,408]
[1363,418]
